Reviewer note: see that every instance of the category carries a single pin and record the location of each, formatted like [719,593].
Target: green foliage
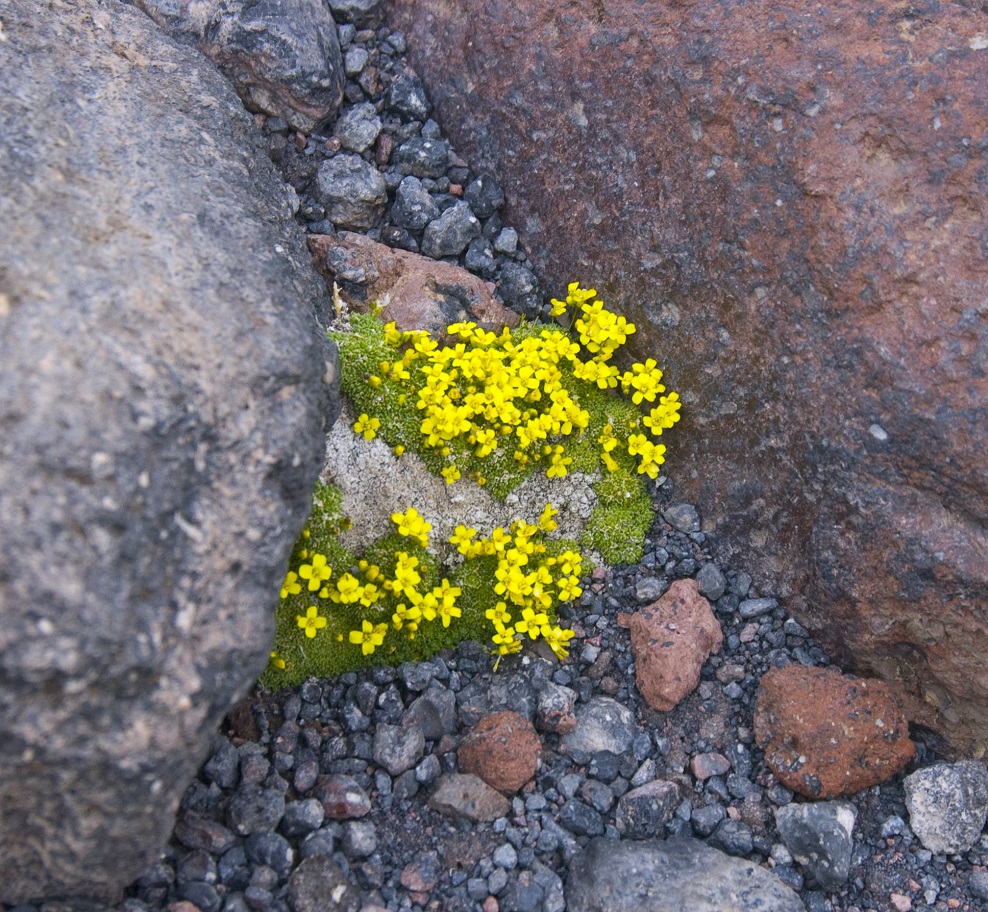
[494,408]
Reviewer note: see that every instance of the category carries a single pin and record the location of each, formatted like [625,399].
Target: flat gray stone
[468,796]
[948,805]
[671,876]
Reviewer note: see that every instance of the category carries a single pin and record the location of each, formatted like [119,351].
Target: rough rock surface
[670,876]
[948,805]
[670,640]
[826,734]
[502,749]
[791,203]
[162,408]
[282,56]
[819,836]
[416,292]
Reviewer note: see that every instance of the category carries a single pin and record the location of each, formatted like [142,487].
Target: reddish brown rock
[342,797]
[503,750]
[416,292]
[671,639]
[791,201]
[826,734]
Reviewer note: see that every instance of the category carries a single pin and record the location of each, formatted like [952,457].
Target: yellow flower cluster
[488,393]
[529,582]
[601,334]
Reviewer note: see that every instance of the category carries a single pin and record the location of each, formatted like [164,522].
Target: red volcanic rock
[503,750]
[670,640]
[826,734]
[790,200]
[416,292]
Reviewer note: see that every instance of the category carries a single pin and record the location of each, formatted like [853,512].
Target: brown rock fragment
[671,639]
[415,291]
[503,750]
[826,734]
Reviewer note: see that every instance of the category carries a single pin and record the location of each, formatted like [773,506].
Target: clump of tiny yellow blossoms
[494,406]
[397,603]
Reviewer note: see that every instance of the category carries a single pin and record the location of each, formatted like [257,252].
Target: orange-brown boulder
[790,201]
[670,640]
[503,750]
[826,734]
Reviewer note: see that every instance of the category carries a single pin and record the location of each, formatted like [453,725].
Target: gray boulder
[671,876]
[282,56]
[164,387]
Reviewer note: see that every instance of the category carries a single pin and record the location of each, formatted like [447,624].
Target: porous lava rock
[163,402]
[415,291]
[790,201]
[283,57]
[502,749]
[827,734]
[670,640]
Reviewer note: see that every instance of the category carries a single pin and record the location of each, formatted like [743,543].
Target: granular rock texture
[163,400]
[503,750]
[414,291]
[671,639]
[826,734]
[790,201]
[282,56]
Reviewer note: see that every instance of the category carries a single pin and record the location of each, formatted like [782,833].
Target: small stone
[197,832]
[414,208]
[752,608]
[670,640]
[580,818]
[733,837]
[502,749]
[554,709]
[705,820]
[979,884]
[449,234]
[422,874]
[649,588]
[302,817]
[643,811]
[468,796]
[901,902]
[407,96]
[422,157]
[485,196]
[601,724]
[359,839]
[342,797]
[682,517]
[506,241]
[948,805]
[711,582]
[479,258]
[519,289]
[272,850]
[254,809]
[710,764]
[358,128]
[819,837]
[317,882]
[505,857]
[354,61]
[353,191]
[398,747]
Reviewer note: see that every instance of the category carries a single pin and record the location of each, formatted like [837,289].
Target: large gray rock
[163,393]
[670,876]
[282,56]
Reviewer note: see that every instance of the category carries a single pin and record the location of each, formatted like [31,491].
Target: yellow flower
[557,638]
[531,622]
[451,474]
[276,660]
[411,525]
[291,585]
[312,622]
[366,426]
[348,589]
[369,637]
[316,573]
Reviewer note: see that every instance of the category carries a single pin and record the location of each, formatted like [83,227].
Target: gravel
[350,788]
